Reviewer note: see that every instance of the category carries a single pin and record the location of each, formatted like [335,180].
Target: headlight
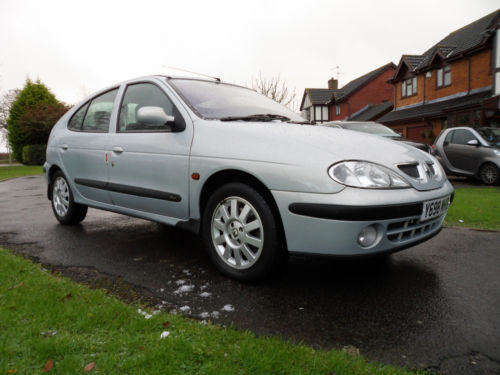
[497,152]
[363,174]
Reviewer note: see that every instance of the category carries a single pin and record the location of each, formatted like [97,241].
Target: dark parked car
[470,152]
[375,128]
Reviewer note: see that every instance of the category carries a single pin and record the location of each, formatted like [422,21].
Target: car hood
[419,145]
[310,147]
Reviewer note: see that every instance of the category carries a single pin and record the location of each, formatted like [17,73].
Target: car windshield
[371,128]
[490,135]
[215,100]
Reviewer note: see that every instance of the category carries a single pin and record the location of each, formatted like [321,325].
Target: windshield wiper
[257,117]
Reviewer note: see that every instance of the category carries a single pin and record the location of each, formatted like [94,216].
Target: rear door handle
[117,150]
[64,147]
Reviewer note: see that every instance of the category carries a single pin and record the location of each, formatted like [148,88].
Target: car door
[83,149]
[149,162]
[460,154]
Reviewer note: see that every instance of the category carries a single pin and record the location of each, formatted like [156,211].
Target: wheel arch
[50,174]
[223,177]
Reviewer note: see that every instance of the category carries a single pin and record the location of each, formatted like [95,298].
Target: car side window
[462,136]
[99,113]
[77,120]
[447,139]
[141,95]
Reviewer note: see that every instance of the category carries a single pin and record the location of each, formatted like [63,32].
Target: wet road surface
[435,306]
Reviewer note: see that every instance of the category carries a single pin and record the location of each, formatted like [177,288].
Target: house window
[337,110]
[409,87]
[443,76]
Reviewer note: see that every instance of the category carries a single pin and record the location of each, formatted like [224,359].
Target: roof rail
[188,71]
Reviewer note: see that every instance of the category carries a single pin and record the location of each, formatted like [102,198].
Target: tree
[6,101]
[32,95]
[276,89]
[37,121]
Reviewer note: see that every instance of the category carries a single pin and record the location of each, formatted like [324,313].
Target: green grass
[475,208]
[48,317]
[19,171]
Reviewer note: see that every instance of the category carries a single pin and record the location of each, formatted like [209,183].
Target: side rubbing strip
[127,189]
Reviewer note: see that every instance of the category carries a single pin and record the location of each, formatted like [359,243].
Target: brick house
[365,98]
[369,92]
[454,83]
[314,104]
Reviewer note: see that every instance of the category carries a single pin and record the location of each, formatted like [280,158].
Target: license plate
[434,208]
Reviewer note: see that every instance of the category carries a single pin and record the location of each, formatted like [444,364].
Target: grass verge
[50,322]
[475,208]
[19,171]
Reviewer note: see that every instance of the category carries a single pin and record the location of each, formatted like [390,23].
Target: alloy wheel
[489,174]
[237,232]
[60,196]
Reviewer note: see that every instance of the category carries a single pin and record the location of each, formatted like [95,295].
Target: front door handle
[117,150]
[64,147]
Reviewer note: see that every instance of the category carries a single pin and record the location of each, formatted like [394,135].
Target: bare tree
[5,102]
[276,89]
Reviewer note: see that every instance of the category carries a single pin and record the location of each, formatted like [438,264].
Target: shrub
[38,120]
[34,154]
[32,95]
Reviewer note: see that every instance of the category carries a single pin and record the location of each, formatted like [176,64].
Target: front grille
[425,171]
[409,229]
[410,169]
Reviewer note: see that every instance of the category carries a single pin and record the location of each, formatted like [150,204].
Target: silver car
[470,152]
[249,175]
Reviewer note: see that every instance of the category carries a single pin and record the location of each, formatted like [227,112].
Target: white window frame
[443,76]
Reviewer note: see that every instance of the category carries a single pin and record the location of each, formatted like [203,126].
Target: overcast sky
[77,47]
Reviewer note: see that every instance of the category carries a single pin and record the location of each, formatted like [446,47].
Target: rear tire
[66,211]
[241,233]
[488,173]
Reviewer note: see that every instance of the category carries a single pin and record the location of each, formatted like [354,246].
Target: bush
[37,121]
[30,97]
[34,154]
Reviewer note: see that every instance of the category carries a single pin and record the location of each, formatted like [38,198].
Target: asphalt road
[435,306]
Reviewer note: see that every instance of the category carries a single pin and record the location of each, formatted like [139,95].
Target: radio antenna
[188,71]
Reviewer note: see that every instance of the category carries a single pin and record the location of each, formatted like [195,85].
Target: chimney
[333,84]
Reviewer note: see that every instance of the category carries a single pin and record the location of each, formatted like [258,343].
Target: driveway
[435,306]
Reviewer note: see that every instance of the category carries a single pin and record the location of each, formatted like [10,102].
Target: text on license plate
[434,208]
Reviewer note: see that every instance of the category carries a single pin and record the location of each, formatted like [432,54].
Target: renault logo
[429,172]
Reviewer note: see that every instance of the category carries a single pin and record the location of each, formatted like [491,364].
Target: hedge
[34,154]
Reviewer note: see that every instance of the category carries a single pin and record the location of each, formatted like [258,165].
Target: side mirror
[153,116]
[473,142]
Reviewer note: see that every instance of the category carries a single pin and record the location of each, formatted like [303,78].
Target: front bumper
[323,224]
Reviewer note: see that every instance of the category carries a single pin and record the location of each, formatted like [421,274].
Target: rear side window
[95,115]
[461,137]
[99,113]
[77,120]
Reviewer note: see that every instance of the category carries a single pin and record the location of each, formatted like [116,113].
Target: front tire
[489,174]
[66,211]
[241,234]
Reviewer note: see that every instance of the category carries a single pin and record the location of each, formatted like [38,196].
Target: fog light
[367,236]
